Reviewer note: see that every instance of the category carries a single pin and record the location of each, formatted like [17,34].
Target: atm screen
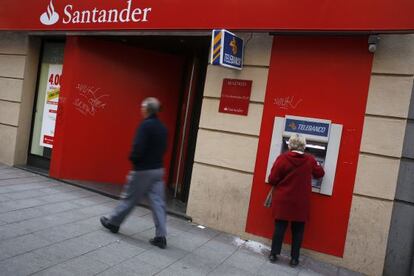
[317,149]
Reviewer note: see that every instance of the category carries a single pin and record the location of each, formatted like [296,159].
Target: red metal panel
[99,107]
[325,78]
[316,15]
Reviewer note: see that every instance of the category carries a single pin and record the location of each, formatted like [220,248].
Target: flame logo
[49,17]
[233,45]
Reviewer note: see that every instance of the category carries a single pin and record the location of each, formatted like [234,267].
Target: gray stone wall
[400,250]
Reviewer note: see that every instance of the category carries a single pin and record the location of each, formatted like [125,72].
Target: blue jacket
[149,145]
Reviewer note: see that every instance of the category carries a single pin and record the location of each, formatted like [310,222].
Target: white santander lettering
[113,13]
[135,13]
[146,12]
[127,14]
[67,10]
[86,17]
[124,14]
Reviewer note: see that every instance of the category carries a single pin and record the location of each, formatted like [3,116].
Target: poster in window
[51,105]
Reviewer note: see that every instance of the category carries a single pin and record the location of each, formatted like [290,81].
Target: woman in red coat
[291,175]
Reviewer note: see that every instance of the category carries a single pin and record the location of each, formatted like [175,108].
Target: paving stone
[4,197]
[13,175]
[178,224]
[61,197]
[346,272]
[19,204]
[94,210]
[226,238]
[29,194]
[67,231]
[59,207]
[140,211]
[214,253]
[309,272]
[247,261]
[21,245]
[23,180]
[82,265]
[132,267]
[322,268]
[7,170]
[25,264]
[5,189]
[269,269]
[98,238]
[90,200]
[206,232]
[12,230]
[31,186]
[221,246]
[115,252]
[12,171]
[57,232]
[162,258]
[138,225]
[148,234]
[188,241]
[283,264]
[63,251]
[183,270]
[42,189]
[92,221]
[226,269]
[38,211]
[141,243]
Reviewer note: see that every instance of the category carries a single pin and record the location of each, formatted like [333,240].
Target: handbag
[268,200]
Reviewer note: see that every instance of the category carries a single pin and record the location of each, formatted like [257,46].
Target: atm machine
[323,139]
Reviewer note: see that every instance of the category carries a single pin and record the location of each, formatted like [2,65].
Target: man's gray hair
[152,105]
[297,142]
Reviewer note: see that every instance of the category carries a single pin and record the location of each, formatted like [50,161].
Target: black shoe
[272,258]
[293,262]
[107,225]
[161,242]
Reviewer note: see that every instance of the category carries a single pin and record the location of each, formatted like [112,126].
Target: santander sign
[72,15]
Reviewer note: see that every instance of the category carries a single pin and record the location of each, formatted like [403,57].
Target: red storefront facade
[320,67]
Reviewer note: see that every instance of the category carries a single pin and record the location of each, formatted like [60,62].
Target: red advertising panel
[317,15]
[235,96]
[325,78]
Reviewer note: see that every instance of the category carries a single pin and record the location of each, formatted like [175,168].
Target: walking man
[146,178]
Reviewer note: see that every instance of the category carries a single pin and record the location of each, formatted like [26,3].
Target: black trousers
[297,228]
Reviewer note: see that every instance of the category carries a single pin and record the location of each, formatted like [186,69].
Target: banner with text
[51,105]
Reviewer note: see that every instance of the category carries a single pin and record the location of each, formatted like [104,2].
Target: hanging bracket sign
[226,49]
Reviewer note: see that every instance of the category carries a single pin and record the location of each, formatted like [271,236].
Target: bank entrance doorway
[104,80]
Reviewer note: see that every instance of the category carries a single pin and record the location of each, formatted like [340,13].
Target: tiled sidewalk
[51,228]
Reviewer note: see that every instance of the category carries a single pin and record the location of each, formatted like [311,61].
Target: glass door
[45,110]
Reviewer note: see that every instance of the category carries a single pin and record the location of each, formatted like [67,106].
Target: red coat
[292,177]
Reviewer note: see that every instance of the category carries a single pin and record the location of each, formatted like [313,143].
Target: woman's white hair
[297,142]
